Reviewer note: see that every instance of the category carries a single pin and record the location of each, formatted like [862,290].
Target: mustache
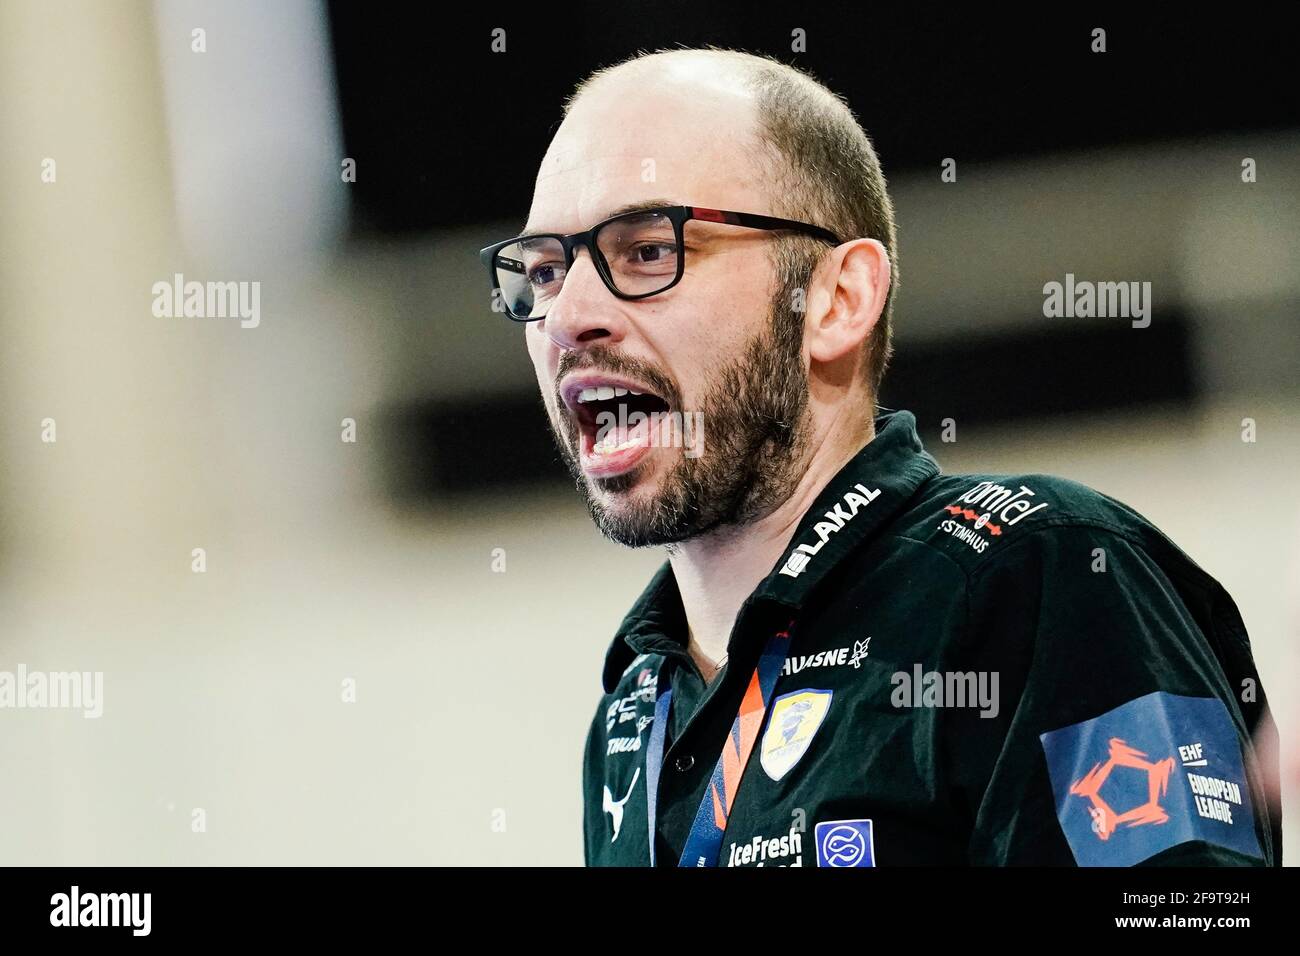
[601,358]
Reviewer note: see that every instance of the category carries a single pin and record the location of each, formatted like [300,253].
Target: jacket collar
[862,497]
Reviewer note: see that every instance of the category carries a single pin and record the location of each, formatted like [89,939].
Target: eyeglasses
[636,254]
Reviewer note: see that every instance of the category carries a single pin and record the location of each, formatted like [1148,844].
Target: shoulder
[982,520]
[1047,548]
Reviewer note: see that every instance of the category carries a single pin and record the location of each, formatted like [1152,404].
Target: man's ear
[846,299]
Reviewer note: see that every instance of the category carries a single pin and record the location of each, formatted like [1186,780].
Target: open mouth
[617,422]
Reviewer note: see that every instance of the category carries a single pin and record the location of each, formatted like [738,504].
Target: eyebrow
[639,206]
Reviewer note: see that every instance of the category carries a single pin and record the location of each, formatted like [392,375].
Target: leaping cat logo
[615,807]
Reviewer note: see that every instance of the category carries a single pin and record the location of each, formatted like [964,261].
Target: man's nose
[585,312]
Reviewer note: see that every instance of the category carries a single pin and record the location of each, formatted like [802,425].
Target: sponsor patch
[980,516]
[795,718]
[615,807]
[845,843]
[844,511]
[785,850]
[853,656]
[1153,773]
[624,709]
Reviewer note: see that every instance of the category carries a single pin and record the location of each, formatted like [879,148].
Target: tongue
[619,432]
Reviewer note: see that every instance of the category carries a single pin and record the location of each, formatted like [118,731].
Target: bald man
[848,658]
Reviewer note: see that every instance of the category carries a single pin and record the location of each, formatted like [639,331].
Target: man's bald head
[780,128]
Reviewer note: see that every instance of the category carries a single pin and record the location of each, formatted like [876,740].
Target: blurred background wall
[352,677]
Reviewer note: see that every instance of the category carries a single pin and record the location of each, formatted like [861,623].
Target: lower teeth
[608,447]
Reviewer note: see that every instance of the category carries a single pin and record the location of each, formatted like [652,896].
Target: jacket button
[685,763]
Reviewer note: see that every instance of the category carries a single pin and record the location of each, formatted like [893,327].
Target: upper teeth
[602,393]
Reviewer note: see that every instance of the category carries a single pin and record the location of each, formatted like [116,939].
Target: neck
[716,572]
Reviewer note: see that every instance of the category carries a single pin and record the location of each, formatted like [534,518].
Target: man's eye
[647,252]
[546,273]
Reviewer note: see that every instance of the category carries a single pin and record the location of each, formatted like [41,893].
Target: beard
[755,416]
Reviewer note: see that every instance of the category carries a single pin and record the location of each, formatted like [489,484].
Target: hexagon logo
[1105,819]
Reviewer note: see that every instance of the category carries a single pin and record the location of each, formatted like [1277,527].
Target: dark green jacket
[983,669]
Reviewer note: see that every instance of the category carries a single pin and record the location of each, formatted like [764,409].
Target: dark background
[450,134]
[449,138]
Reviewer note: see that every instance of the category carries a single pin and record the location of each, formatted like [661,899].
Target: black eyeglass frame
[677,215]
